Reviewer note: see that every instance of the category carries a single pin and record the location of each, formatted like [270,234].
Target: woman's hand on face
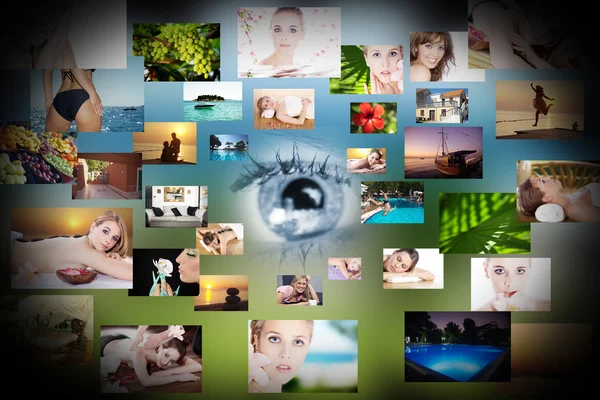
[255,387]
[96,103]
[187,377]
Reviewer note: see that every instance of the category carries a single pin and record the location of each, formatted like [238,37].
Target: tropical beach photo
[457,346]
[443,152]
[166,143]
[542,109]
[121,92]
[392,202]
[212,101]
[222,293]
[228,147]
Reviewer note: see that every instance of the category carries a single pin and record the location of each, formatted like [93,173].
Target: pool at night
[459,362]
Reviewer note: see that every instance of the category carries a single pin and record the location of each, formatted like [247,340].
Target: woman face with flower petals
[286,344]
[382,60]
[287,31]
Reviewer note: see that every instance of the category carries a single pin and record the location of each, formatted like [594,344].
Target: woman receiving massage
[166,350]
[103,248]
[216,240]
[291,109]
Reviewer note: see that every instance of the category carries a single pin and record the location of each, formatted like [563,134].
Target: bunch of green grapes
[175,42]
[59,164]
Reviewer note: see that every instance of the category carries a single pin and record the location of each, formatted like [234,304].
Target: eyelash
[261,175]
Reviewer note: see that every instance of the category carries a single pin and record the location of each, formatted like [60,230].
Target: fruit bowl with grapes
[40,169]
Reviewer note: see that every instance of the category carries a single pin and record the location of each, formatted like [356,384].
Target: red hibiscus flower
[369,117]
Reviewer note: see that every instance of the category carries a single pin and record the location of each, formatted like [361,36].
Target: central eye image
[300,207]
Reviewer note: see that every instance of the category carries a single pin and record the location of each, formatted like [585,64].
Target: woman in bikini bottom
[71,102]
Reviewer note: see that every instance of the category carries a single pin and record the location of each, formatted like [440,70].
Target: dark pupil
[299,192]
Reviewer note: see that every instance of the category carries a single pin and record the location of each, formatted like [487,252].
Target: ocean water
[425,169]
[228,155]
[151,151]
[114,119]
[229,110]
[507,122]
[214,296]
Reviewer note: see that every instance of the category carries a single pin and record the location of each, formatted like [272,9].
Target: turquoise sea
[114,119]
[228,110]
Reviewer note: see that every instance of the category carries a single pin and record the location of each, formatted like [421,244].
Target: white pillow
[550,213]
[270,113]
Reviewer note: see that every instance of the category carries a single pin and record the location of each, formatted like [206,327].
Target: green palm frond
[482,223]
[354,72]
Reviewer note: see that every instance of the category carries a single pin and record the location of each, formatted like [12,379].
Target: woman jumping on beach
[538,102]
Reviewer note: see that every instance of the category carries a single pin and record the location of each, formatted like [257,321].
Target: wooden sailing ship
[456,163]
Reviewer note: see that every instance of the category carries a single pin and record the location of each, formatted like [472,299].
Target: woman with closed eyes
[283,346]
[402,262]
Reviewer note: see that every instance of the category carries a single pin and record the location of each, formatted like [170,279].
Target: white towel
[293,105]
[403,279]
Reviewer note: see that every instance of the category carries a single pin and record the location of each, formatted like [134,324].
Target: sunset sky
[221,282]
[158,132]
[424,141]
[518,95]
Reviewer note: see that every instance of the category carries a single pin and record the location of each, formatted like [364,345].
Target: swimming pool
[406,212]
[459,362]
[228,155]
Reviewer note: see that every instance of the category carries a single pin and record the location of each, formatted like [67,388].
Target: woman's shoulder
[419,72]
[285,289]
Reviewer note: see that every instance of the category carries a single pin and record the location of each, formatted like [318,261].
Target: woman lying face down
[103,248]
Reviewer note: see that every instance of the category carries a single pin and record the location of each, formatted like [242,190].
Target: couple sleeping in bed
[291,109]
[103,249]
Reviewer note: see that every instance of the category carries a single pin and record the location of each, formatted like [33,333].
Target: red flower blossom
[369,117]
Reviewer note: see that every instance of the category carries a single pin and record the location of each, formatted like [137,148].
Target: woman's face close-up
[508,275]
[373,159]
[189,266]
[431,53]
[300,285]
[104,236]
[166,357]
[268,103]
[286,31]
[286,344]
[399,262]
[548,186]
[383,61]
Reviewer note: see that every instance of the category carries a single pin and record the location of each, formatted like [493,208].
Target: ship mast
[443,142]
